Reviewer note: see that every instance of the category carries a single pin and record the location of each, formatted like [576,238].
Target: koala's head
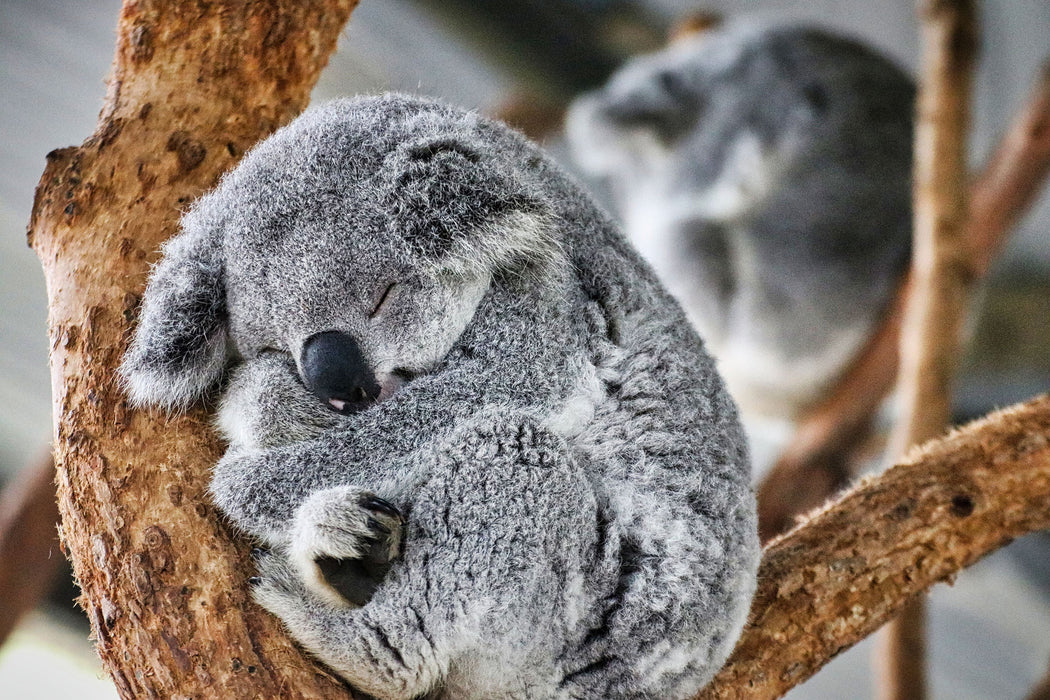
[730,111]
[358,240]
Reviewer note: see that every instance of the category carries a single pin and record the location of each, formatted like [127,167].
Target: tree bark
[851,566]
[193,85]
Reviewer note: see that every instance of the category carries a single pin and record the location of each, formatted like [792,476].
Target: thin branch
[30,556]
[851,566]
[942,280]
[1013,176]
[816,463]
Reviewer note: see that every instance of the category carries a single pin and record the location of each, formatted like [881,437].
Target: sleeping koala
[765,172]
[487,454]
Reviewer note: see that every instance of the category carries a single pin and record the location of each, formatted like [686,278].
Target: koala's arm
[265,404]
[285,444]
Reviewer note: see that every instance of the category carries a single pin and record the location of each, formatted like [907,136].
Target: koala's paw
[343,543]
[276,585]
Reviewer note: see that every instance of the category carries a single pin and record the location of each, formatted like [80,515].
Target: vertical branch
[941,275]
[941,271]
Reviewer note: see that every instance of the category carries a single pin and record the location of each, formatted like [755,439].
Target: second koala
[487,453]
[765,172]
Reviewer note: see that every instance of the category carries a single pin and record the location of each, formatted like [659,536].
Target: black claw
[383,506]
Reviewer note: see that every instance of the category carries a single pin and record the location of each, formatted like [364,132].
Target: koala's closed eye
[383,300]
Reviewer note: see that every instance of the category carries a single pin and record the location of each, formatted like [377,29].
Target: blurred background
[526,58]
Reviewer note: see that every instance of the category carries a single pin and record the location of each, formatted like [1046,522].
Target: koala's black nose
[335,370]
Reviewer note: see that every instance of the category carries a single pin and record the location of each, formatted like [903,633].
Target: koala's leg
[507,526]
[492,584]
[673,586]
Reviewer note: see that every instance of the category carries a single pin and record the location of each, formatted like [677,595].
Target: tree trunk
[852,566]
[193,85]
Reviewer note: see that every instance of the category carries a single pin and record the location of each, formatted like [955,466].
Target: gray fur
[574,482]
[765,173]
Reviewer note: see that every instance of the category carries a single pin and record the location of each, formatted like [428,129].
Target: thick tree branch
[192,86]
[849,567]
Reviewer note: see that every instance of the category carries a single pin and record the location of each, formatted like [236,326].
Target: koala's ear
[466,210]
[179,348]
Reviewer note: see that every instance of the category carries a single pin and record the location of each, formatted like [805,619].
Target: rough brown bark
[30,557]
[193,85]
[942,280]
[851,566]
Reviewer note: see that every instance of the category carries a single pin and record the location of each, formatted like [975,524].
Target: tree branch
[816,463]
[193,85]
[30,558]
[1013,177]
[941,281]
[849,567]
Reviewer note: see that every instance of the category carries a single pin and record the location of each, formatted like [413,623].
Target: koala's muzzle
[336,372]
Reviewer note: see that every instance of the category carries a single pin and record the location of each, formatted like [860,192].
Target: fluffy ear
[466,210]
[179,348]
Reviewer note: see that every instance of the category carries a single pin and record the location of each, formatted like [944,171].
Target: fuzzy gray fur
[573,483]
[765,172]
